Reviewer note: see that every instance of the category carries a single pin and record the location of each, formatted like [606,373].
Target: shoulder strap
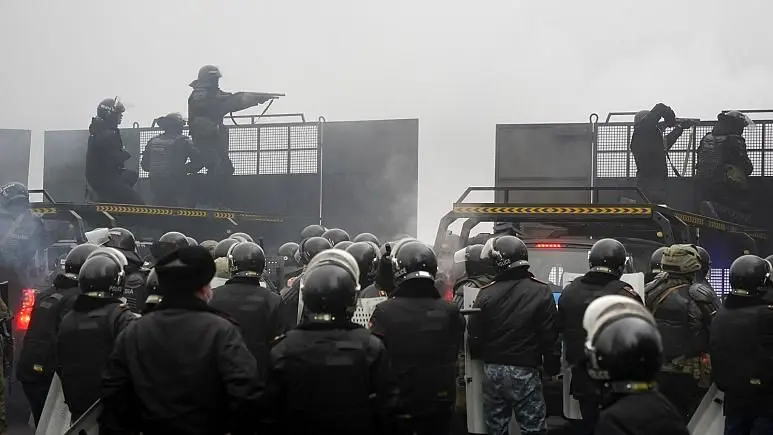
[665,295]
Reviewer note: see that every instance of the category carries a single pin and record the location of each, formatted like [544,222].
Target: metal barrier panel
[615,160]
[15,149]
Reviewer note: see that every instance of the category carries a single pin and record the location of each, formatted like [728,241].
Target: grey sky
[460,67]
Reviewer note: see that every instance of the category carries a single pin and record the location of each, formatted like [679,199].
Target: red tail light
[549,245]
[25,311]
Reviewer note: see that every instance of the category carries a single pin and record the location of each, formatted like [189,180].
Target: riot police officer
[655,268]
[183,368]
[701,279]
[307,250]
[22,234]
[255,308]
[191,241]
[423,334]
[106,157]
[607,262]
[313,230]
[357,394]
[624,356]
[367,237]
[167,243]
[134,286]
[87,333]
[155,295]
[242,237]
[37,360]
[342,245]
[723,165]
[207,105]
[741,348]
[514,334]
[222,248]
[291,268]
[650,149]
[336,236]
[683,313]
[472,271]
[367,255]
[165,159]
[209,245]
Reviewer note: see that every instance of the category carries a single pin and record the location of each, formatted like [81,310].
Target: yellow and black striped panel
[117,209]
[556,210]
[44,210]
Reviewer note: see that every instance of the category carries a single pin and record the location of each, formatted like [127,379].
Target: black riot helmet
[329,293]
[749,274]
[734,120]
[246,259]
[154,290]
[367,237]
[76,257]
[311,247]
[176,238]
[242,237]
[413,260]
[209,75]
[705,259]
[474,264]
[627,349]
[608,256]
[769,259]
[191,241]
[287,252]
[505,252]
[14,194]
[103,273]
[312,231]
[343,245]
[336,236]
[656,259]
[171,123]
[111,110]
[221,250]
[367,255]
[210,246]
[121,238]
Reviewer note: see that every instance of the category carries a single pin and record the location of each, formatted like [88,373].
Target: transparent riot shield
[709,418]
[365,308]
[55,417]
[88,424]
[473,373]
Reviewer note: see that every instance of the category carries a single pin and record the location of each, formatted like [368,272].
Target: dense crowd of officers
[170,156]
[166,353]
[722,165]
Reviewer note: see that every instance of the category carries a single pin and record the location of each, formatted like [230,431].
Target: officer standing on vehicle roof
[367,256]
[624,356]
[87,333]
[134,287]
[184,368]
[514,334]
[256,309]
[650,149]
[289,309]
[741,348]
[37,361]
[723,167]
[422,334]
[106,157]
[607,260]
[683,313]
[165,159]
[207,105]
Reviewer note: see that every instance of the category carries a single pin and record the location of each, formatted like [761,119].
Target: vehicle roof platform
[640,220]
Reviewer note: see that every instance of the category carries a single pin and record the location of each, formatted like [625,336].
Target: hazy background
[460,67]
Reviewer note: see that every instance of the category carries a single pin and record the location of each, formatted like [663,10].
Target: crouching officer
[330,375]
[683,313]
[607,261]
[423,334]
[87,333]
[514,335]
[255,308]
[624,353]
[37,360]
[183,368]
[742,349]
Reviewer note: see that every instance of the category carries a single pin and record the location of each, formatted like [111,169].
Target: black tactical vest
[85,342]
[327,378]
[679,319]
[742,346]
